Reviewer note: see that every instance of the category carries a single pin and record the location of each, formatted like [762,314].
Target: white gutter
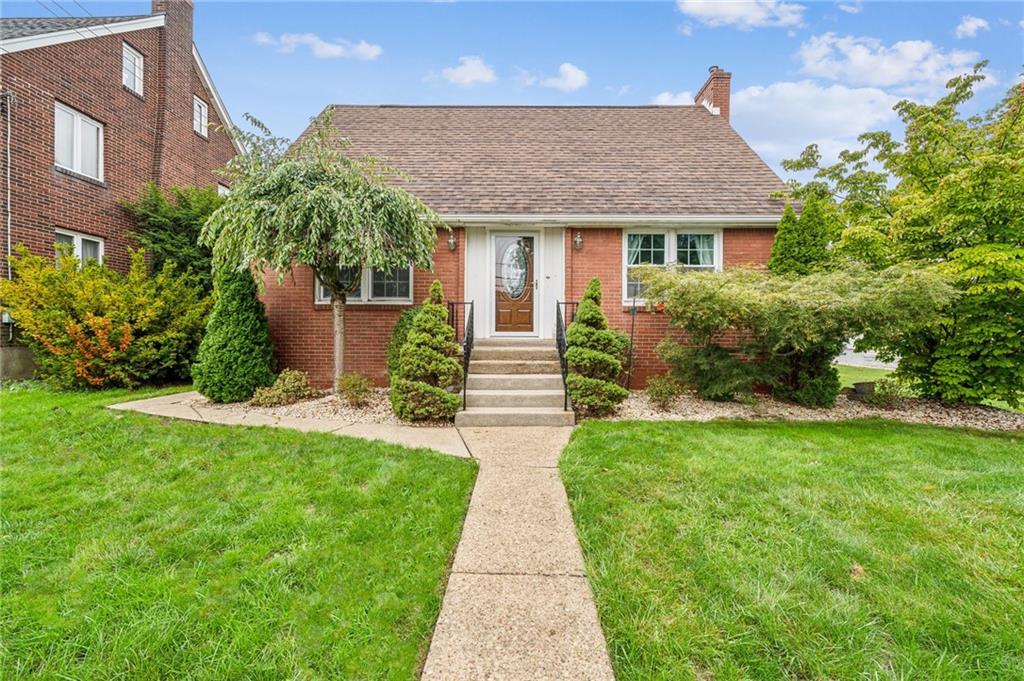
[585,220]
[218,103]
[29,42]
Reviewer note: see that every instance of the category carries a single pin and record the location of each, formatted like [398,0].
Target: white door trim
[538,275]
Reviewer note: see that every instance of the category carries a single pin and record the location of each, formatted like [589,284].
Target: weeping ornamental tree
[312,204]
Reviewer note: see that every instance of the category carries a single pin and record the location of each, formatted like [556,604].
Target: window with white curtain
[131,68]
[693,248]
[375,286]
[77,142]
[83,246]
[200,116]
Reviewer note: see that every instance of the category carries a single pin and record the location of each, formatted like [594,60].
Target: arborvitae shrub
[594,356]
[398,335]
[429,377]
[236,356]
[801,243]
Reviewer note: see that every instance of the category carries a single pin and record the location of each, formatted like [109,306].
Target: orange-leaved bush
[91,326]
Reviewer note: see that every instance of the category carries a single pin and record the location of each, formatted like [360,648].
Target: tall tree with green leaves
[950,194]
[312,204]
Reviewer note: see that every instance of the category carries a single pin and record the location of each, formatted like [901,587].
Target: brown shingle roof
[649,160]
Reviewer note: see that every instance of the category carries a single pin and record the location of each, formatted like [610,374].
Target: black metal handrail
[562,344]
[466,338]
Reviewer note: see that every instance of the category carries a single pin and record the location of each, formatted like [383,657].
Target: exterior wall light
[577,241]
[453,243]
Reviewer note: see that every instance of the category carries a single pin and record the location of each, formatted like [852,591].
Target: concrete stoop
[514,383]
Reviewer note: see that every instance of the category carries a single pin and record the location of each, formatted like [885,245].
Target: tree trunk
[338,307]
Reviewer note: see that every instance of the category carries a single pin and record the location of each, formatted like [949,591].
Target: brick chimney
[174,118]
[714,94]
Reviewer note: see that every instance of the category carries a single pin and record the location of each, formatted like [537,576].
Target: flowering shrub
[94,327]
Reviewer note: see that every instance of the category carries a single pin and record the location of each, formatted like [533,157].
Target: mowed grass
[855,550]
[848,375]
[140,548]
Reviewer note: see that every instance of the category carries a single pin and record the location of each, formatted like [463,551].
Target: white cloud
[686,29]
[569,79]
[673,98]
[855,7]
[969,26]
[619,91]
[743,14]
[780,119]
[320,48]
[470,71]
[910,66]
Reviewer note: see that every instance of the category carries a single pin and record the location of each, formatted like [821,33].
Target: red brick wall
[601,256]
[303,331]
[145,139]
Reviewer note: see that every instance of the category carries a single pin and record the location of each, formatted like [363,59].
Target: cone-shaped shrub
[594,356]
[429,377]
[801,244]
[236,355]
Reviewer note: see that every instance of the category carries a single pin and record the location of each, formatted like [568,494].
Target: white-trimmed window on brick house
[696,249]
[200,116]
[77,142]
[131,68]
[83,246]
[375,286]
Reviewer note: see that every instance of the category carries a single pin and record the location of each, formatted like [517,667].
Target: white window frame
[321,296]
[77,243]
[200,125]
[137,75]
[671,252]
[76,141]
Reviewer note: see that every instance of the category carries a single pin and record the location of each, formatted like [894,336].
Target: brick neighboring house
[540,200]
[96,108]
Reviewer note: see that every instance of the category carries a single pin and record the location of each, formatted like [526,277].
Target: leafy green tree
[236,356]
[801,243]
[315,205]
[594,356]
[168,227]
[429,377]
[951,193]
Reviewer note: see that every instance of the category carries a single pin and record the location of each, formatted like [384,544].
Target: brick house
[95,108]
[540,200]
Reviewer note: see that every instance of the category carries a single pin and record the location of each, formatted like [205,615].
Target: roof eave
[590,220]
[29,42]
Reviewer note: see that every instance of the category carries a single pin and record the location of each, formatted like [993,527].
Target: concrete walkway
[181,406]
[518,604]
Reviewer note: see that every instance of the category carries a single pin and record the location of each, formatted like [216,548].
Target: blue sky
[802,71]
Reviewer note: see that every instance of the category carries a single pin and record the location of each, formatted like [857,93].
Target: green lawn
[856,550]
[140,548]
[848,375]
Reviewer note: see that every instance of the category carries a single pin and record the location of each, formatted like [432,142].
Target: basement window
[77,142]
[200,116]
[131,68]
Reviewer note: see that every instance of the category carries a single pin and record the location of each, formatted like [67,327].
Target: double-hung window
[375,286]
[692,249]
[77,142]
[131,68]
[200,115]
[83,246]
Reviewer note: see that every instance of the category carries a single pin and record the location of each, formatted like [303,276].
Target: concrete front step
[512,341]
[514,382]
[514,416]
[528,353]
[514,366]
[515,398]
